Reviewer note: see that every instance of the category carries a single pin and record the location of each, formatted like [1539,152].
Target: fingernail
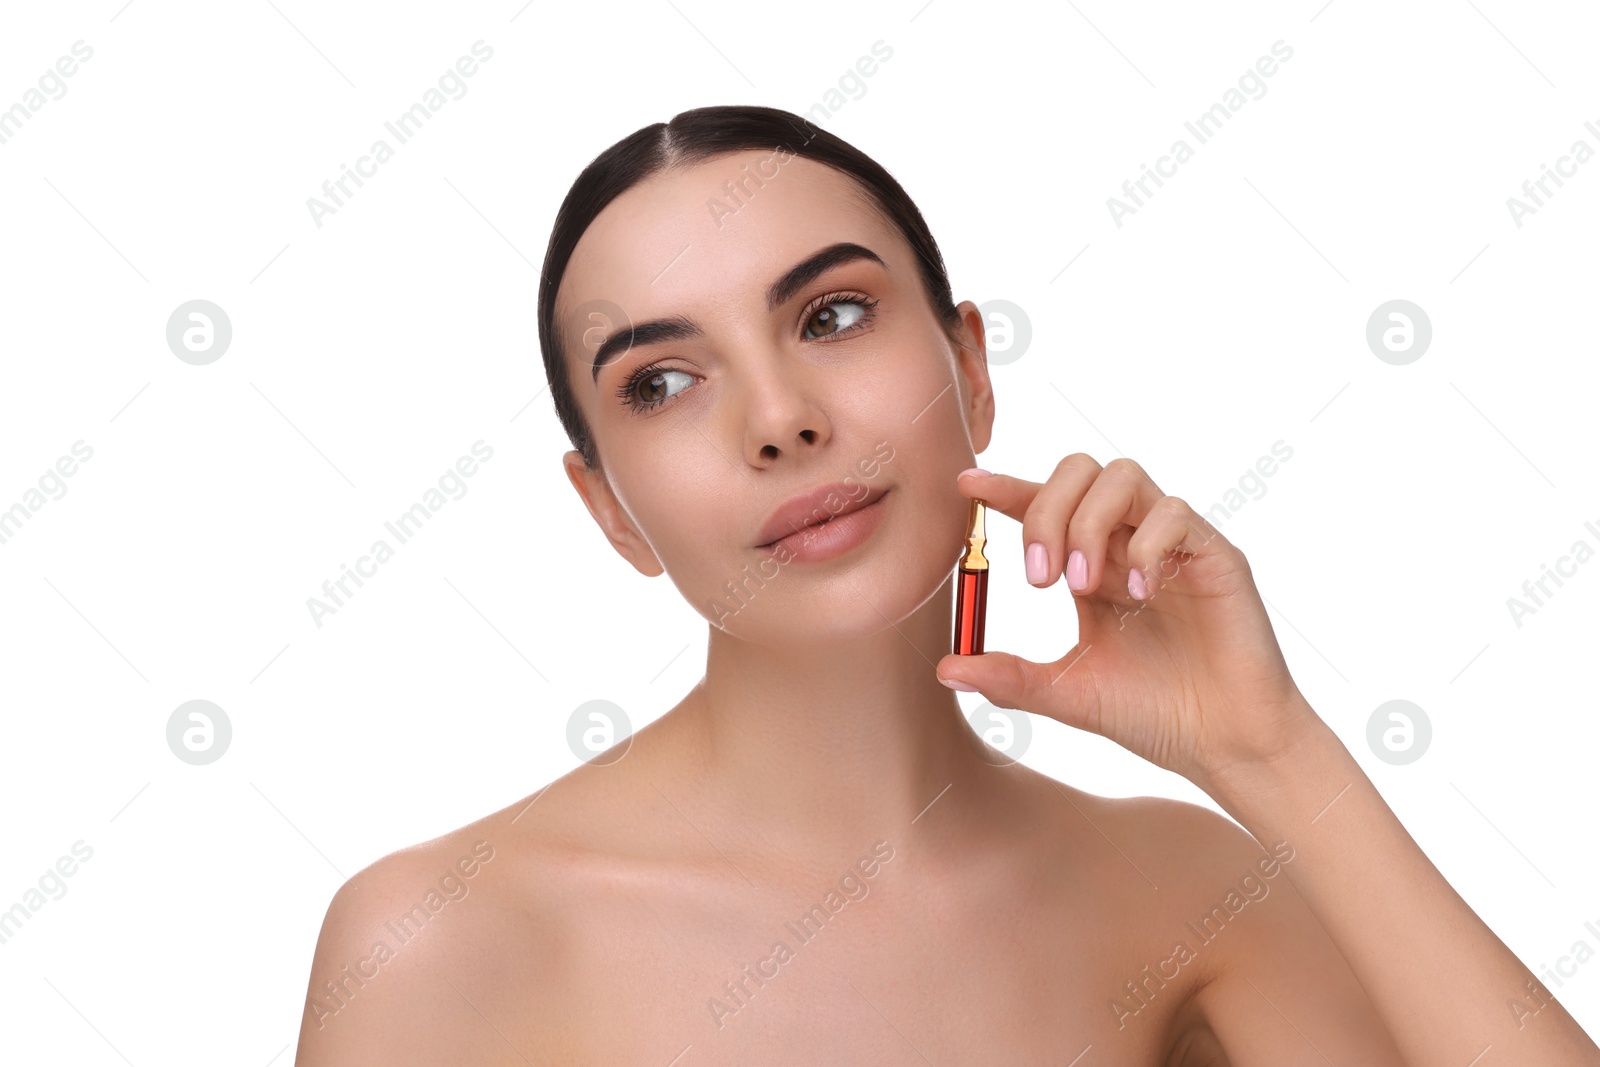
[1136,587]
[962,686]
[1037,562]
[973,470]
[1077,570]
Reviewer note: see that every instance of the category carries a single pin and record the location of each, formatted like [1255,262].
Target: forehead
[714,234]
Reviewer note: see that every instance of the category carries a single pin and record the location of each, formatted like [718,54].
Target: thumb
[1062,690]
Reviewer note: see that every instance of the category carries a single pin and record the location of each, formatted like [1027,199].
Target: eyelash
[625,392]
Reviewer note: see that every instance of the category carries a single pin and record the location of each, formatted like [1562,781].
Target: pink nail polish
[1077,570]
[1037,561]
[1136,586]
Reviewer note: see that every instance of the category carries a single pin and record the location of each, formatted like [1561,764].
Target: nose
[782,413]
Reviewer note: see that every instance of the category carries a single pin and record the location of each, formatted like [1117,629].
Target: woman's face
[771,385]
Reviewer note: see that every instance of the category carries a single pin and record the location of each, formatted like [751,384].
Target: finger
[1044,526]
[1043,510]
[1063,690]
[1173,538]
[1005,494]
[1114,564]
[1121,495]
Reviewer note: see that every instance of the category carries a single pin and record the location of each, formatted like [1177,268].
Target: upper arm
[382,990]
[1280,992]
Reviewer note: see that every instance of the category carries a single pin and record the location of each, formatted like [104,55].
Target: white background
[368,354]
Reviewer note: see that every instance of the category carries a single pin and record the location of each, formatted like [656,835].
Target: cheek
[692,512]
[900,395]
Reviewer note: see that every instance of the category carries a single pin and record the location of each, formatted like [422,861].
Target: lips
[813,508]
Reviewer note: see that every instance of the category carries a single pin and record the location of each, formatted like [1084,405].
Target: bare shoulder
[413,963]
[1177,847]
[1175,880]
[459,948]
[1272,985]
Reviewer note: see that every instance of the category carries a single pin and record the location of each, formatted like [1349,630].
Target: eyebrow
[779,292]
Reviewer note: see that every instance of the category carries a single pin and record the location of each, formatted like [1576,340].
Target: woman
[812,858]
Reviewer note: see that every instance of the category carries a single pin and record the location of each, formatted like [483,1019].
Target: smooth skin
[964,908]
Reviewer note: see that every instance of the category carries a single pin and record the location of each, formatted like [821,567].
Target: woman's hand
[1176,660]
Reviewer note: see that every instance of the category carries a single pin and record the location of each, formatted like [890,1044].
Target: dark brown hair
[691,137]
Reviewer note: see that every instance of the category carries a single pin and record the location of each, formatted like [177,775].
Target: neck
[831,747]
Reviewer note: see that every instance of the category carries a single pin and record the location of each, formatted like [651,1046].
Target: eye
[654,379]
[832,316]
[835,314]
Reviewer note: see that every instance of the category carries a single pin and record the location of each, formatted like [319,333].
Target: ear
[609,514]
[973,363]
